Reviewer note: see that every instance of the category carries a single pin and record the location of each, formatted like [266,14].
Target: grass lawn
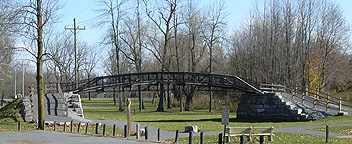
[279,138]
[173,120]
[347,130]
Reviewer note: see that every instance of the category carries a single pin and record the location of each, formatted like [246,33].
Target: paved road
[51,137]
[302,130]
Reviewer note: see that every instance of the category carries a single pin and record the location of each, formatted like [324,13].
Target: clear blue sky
[83,10]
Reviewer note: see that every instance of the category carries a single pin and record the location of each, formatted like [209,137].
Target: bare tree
[163,23]
[35,16]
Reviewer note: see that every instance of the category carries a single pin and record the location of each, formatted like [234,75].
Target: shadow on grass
[235,120]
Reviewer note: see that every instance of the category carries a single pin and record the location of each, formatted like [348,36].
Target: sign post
[225,120]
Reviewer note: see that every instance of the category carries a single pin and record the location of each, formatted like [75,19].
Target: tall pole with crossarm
[74,30]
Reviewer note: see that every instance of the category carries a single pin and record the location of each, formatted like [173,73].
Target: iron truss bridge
[151,81]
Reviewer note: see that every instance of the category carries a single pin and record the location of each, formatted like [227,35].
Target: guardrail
[306,91]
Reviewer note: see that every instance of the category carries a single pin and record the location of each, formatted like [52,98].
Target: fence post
[79,127]
[87,127]
[176,137]
[71,126]
[125,131]
[138,134]
[220,138]
[340,105]
[201,138]
[146,133]
[327,133]
[54,125]
[327,103]
[272,87]
[114,130]
[303,92]
[19,125]
[64,126]
[43,124]
[158,134]
[261,139]
[315,103]
[97,128]
[190,137]
[317,95]
[104,129]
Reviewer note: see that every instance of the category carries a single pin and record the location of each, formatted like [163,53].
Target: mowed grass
[347,130]
[173,120]
[279,138]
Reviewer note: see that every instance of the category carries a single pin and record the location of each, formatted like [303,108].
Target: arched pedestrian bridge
[256,103]
[203,81]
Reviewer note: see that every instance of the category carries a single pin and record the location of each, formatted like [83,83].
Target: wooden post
[64,126]
[104,129]
[261,140]
[125,131]
[303,96]
[327,103]
[272,88]
[54,125]
[201,138]
[71,126]
[128,116]
[340,105]
[19,125]
[190,137]
[146,133]
[220,138]
[97,128]
[158,134]
[138,134]
[87,127]
[317,95]
[79,127]
[327,133]
[114,130]
[242,139]
[315,103]
[43,124]
[176,137]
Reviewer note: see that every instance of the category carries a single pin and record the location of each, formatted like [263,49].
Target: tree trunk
[40,81]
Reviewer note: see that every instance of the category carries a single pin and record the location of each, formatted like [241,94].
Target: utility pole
[74,30]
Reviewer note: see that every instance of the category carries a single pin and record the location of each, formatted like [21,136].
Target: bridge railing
[203,80]
[306,91]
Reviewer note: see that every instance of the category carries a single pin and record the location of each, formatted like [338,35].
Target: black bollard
[176,137]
